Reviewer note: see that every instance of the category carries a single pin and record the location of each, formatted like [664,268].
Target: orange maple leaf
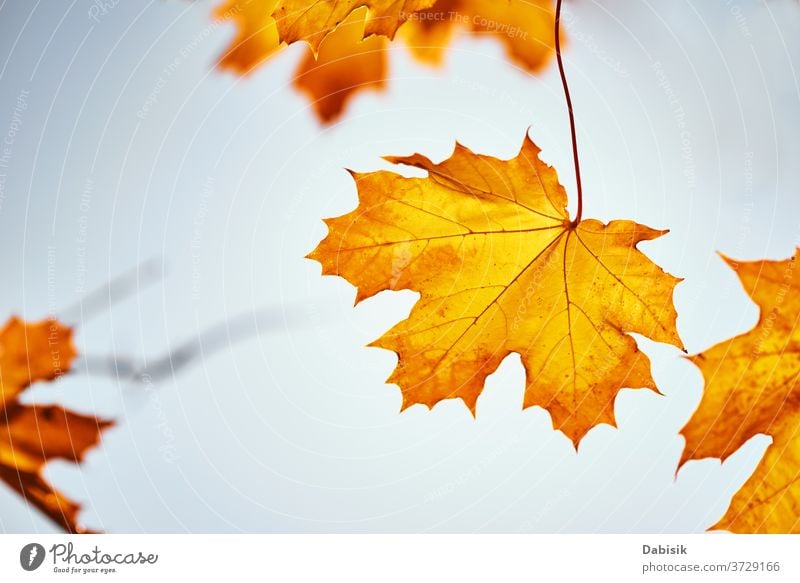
[500,268]
[256,37]
[312,20]
[753,387]
[345,65]
[32,435]
[524,27]
[348,40]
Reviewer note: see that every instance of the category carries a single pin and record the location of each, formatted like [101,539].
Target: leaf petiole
[579,213]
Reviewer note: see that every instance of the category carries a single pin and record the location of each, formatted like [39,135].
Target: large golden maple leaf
[501,268]
[32,435]
[753,387]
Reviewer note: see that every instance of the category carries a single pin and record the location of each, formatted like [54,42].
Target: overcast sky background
[688,115]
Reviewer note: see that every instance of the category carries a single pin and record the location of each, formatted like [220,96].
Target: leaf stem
[571,115]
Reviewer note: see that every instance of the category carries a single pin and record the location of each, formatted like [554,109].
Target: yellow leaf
[753,387]
[526,28]
[344,66]
[428,33]
[313,20]
[256,36]
[32,435]
[348,39]
[500,268]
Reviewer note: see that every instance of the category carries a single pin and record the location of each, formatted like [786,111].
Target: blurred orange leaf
[752,387]
[312,20]
[32,435]
[256,37]
[500,268]
[345,65]
[32,352]
[348,39]
[524,27]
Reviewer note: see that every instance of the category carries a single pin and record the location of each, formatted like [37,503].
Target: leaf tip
[354,174]
[317,256]
[460,148]
[414,160]
[575,441]
[528,143]
[378,343]
[407,402]
[472,406]
[361,295]
[732,263]
[686,455]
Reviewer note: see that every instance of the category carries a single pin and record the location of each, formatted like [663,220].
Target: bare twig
[116,290]
[208,342]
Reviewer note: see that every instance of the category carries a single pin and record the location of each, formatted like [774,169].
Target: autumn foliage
[501,268]
[499,264]
[348,41]
[753,387]
[346,64]
[32,435]
[523,27]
